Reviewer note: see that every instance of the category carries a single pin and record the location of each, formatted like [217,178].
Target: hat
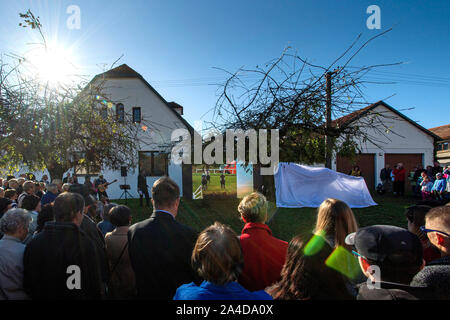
[380,241]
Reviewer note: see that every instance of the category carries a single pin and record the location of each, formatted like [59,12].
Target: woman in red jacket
[399,180]
[264,255]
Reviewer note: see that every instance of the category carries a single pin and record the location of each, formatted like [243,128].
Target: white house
[403,140]
[135,97]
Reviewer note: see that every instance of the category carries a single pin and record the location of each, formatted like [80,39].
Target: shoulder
[189,291]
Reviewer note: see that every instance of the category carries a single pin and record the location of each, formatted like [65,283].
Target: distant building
[442,146]
[405,141]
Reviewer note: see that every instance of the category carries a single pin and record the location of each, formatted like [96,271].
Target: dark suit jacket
[160,251]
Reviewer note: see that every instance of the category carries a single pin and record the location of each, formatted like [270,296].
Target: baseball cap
[380,241]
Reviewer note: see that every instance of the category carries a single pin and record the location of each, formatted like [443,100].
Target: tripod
[125,191]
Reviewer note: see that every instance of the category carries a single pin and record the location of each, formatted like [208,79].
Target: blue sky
[184,40]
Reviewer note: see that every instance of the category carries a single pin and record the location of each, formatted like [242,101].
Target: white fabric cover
[299,186]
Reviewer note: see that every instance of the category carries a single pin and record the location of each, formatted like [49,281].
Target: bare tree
[289,93]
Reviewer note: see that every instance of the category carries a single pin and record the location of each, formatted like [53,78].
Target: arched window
[120,112]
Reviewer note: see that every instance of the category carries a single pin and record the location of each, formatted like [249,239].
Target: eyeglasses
[356,254]
[422,228]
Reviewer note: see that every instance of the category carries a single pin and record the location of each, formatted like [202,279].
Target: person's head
[69,207]
[31,202]
[11,194]
[29,187]
[438,176]
[356,168]
[90,206]
[58,183]
[13,184]
[400,165]
[2,192]
[5,205]
[217,255]
[387,166]
[100,176]
[15,223]
[44,216]
[53,188]
[426,178]
[21,180]
[397,252]
[336,219]
[439,219]
[45,177]
[107,211]
[65,187]
[75,178]
[305,274]
[166,195]
[424,175]
[436,164]
[87,179]
[253,208]
[120,216]
[415,216]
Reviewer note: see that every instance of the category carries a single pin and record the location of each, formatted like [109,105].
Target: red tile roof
[442,131]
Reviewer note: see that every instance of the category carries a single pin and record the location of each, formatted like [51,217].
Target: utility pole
[328,141]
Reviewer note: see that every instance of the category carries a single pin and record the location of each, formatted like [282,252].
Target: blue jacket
[210,291]
[439,185]
[48,197]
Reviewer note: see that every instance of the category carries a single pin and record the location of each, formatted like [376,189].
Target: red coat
[264,257]
[399,175]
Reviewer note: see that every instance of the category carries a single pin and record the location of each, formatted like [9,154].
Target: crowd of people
[430,183]
[63,243]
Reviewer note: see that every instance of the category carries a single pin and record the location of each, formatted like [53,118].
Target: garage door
[366,163]
[409,160]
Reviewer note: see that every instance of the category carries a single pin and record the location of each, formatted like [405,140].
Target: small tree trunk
[56,171]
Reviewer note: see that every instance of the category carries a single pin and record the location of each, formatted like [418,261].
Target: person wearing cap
[436,274]
[389,257]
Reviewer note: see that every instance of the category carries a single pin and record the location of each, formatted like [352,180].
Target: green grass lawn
[286,223]
[214,185]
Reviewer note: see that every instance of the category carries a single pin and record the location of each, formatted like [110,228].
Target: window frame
[152,166]
[140,114]
[120,113]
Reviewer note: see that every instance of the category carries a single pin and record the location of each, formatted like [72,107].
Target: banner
[299,186]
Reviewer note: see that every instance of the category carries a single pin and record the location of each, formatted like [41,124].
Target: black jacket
[385,174]
[393,291]
[96,236]
[435,275]
[47,258]
[160,250]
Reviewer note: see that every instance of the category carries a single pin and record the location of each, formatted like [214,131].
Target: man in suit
[143,190]
[160,248]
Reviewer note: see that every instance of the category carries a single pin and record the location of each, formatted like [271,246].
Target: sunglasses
[422,228]
[356,254]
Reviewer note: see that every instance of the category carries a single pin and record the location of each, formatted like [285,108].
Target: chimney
[178,108]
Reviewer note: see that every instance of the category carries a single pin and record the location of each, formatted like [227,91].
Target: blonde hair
[253,208]
[335,218]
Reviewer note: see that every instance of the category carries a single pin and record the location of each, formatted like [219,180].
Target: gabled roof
[124,71]
[347,119]
[442,131]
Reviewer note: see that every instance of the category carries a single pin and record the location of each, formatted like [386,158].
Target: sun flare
[53,66]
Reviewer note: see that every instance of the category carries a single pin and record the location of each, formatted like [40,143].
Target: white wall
[402,137]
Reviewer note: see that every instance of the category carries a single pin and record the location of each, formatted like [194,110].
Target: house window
[153,163]
[445,146]
[120,112]
[136,114]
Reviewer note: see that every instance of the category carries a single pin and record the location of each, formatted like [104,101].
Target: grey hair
[13,219]
[52,187]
